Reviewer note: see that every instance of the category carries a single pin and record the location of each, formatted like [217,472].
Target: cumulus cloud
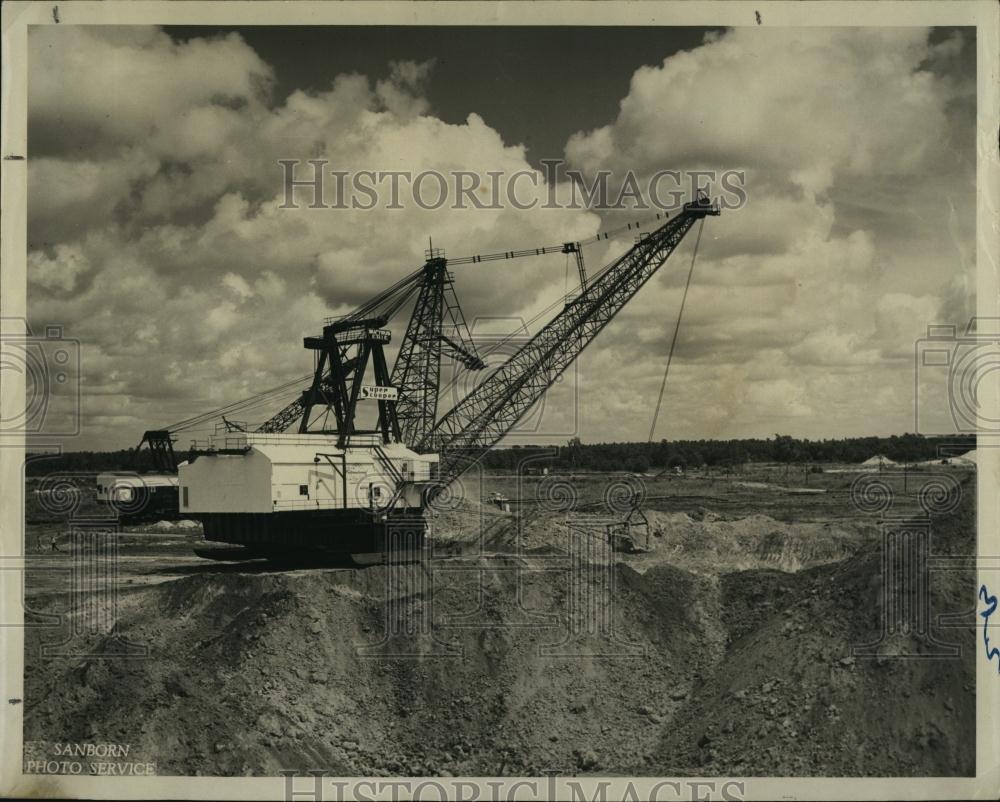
[157,238]
[60,272]
[855,235]
[401,92]
[810,104]
[156,227]
[97,88]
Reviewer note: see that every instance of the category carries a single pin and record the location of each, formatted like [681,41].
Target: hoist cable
[677,328]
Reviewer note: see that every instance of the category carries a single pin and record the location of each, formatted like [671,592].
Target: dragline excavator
[340,486]
[437,328]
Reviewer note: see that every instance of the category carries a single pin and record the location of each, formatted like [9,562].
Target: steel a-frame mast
[437,327]
[382,307]
[417,372]
[344,351]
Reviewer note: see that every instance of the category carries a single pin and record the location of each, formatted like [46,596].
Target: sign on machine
[379,393]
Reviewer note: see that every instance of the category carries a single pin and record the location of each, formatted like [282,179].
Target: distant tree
[639,464]
[786,449]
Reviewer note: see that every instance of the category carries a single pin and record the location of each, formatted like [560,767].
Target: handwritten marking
[55,14]
[991,651]
[757,13]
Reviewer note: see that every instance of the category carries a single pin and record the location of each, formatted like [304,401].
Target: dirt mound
[253,672]
[756,541]
[706,542]
[727,650]
[463,518]
[791,696]
[181,527]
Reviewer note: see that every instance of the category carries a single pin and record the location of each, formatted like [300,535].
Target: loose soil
[725,649]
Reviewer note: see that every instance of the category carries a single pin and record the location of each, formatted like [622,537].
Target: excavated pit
[726,649]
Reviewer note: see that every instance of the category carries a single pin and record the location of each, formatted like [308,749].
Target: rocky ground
[727,649]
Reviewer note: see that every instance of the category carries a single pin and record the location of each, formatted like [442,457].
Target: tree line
[638,457]
[88,462]
[687,454]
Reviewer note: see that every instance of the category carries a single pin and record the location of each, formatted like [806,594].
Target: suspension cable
[677,328]
[546,249]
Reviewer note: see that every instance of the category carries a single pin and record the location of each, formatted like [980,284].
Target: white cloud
[400,93]
[154,224]
[809,299]
[808,103]
[102,87]
[174,212]
[60,272]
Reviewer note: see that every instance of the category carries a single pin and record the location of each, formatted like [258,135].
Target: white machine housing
[253,472]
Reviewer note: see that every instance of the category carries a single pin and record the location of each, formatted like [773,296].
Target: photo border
[17,16]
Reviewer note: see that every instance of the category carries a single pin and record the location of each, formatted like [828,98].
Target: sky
[157,241]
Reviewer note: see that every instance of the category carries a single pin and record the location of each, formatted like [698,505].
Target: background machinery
[147,496]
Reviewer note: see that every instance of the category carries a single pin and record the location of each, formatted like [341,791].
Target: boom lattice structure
[477,422]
